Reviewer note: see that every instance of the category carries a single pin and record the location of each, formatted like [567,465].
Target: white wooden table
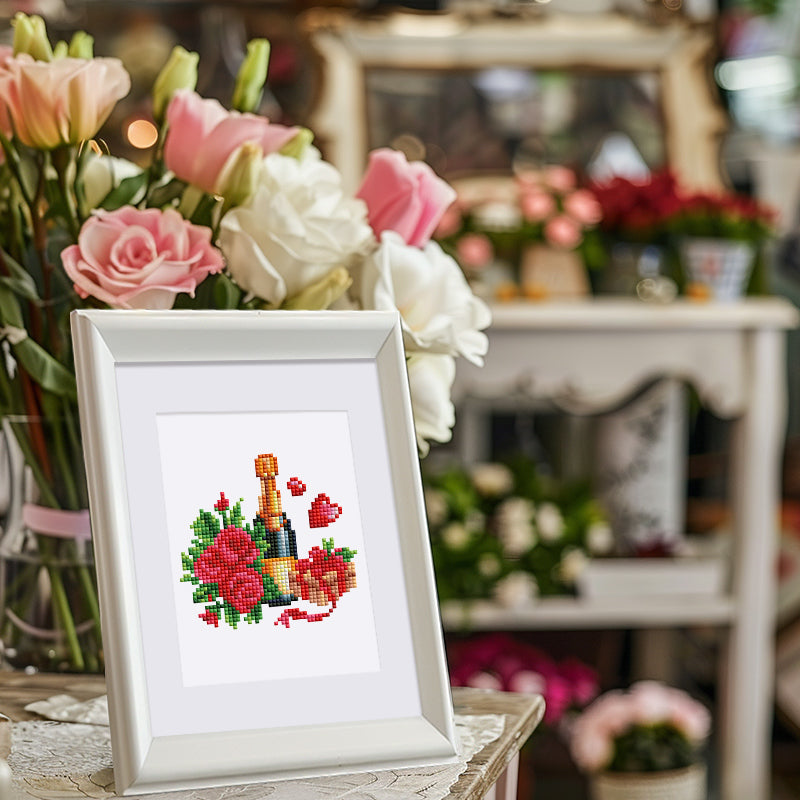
[587,356]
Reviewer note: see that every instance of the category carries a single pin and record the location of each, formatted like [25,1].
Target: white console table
[587,356]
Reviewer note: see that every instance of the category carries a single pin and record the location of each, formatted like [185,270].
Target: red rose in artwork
[243,589]
[233,548]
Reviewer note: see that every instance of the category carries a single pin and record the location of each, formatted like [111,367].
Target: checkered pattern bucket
[722,265]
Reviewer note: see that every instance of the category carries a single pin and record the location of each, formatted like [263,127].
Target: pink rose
[563,231]
[58,102]
[536,205]
[562,179]
[474,250]
[203,136]
[243,589]
[583,206]
[140,259]
[408,198]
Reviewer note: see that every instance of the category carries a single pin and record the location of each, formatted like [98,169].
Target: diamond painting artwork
[237,568]
[267,550]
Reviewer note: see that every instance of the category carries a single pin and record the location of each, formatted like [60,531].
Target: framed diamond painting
[266,587]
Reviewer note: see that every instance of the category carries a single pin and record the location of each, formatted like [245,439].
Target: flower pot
[721,268]
[629,264]
[679,784]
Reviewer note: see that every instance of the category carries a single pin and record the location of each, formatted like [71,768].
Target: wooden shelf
[574,613]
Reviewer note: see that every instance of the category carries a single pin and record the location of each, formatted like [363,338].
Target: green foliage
[651,748]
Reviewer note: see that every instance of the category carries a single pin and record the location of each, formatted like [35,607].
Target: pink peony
[562,231]
[203,136]
[583,206]
[536,205]
[652,702]
[243,589]
[59,102]
[140,259]
[474,250]
[405,197]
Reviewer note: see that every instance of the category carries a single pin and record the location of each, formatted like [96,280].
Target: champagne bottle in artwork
[282,550]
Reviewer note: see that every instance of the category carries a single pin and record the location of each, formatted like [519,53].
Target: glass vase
[49,617]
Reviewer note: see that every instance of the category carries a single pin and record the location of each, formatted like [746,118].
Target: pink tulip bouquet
[229,211]
[649,728]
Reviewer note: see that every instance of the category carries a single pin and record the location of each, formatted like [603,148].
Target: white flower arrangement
[504,532]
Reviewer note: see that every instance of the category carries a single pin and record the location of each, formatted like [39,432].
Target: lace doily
[58,761]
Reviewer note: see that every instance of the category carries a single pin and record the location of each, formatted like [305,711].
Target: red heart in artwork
[296,487]
[323,512]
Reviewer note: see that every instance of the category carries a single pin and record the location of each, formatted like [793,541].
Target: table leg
[748,663]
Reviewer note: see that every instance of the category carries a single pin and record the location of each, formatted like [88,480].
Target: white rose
[572,565]
[430,377]
[492,480]
[436,506]
[599,538]
[489,565]
[549,522]
[101,174]
[438,309]
[455,536]
[516,590]
[295,229]
[514,527]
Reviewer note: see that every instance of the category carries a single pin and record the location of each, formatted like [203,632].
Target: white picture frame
[264,705]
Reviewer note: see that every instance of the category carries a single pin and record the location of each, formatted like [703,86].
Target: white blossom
[514,527]
[430,378]
[295,229]
[492,480]
[439,312]
[549,522]
[516,590]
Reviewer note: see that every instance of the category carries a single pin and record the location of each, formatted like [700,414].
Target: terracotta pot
[679,784]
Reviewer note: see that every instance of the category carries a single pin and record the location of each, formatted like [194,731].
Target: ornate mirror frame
[678,51]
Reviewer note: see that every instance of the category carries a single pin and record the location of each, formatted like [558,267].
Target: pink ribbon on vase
[57,522]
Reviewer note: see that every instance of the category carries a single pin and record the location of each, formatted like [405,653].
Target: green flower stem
[62,159]
[62,463]
[62,609]
[47,496]
[27,577]
[61,603]
[76,447]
